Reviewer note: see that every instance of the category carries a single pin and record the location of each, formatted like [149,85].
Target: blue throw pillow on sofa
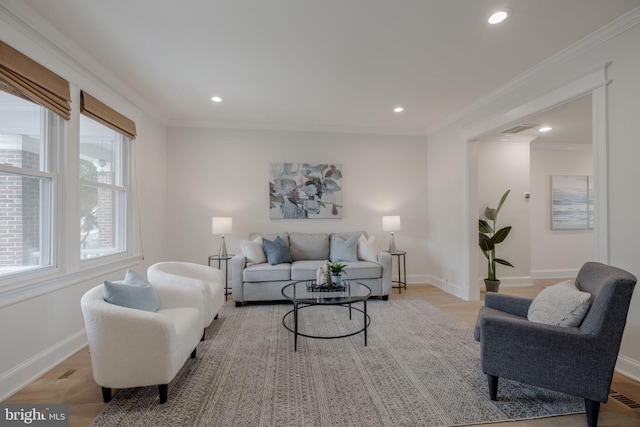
[133,292]
[276,251]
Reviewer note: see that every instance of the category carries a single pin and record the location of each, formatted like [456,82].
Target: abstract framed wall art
[305,190]
[571,202]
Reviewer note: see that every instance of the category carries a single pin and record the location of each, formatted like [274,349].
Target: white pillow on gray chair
[562,304]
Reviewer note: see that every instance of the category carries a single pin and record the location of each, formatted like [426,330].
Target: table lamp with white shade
[391,224]
[222,225]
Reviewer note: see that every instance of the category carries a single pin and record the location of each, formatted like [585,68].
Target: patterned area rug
[420,367]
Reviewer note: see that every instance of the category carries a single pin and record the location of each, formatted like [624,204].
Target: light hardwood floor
[72,383]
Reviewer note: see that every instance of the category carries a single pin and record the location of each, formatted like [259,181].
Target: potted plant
[337,270]
[489,237]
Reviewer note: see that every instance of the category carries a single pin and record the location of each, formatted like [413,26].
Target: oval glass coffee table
[306,293]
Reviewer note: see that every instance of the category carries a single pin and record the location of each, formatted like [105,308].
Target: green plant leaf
[485,242]
[501,235]
[484,227]
[490,213]
[502,199]
[503,262]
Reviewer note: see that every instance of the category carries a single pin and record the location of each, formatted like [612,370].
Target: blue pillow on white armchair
[133,292]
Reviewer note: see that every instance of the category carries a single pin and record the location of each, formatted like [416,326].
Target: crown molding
[64,51]
[609,31]
[293,128]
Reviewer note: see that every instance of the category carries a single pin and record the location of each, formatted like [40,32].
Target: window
[28,138]
[103,189]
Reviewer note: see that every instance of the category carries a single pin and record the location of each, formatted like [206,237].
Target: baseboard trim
[34,367]
[511,281]
[561,273]
[628,367]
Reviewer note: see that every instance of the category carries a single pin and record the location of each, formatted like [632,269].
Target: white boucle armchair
[208,280]
[136,348]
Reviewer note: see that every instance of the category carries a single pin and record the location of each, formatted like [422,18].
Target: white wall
[225,173]
[447,154]
[556,253]
[504,166]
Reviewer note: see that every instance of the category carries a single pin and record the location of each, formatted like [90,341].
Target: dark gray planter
[492,285]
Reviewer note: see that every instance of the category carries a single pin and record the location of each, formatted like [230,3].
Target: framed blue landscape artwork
[571,202]
[305,190]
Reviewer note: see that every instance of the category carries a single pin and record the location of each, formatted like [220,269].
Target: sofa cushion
[277,251]
[562,304]
[305,270]
[368,248]
[344,250]
[362,270]
[266,273]
[309,246]
[133,292]
[252,251]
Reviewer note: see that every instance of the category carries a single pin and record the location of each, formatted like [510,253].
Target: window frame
[52,131]
[121,189]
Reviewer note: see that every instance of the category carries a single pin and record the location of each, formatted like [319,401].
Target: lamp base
[392,244]
[223,249]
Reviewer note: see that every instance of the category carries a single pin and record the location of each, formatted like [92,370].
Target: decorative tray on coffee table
[325,287]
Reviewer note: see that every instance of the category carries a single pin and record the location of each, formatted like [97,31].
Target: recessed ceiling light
[216,99]
[500,16]
[398,109]
[545,129]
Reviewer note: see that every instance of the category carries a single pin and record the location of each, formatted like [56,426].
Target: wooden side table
[226,270]
[402,270]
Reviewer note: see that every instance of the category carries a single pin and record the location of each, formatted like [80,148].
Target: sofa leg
[593,410]
[216,318]
[106,394]
[493,387]
[164,391]
[193,353]
[203,334]
[238,304]
[385,297]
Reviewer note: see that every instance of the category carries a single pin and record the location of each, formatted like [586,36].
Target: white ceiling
[319,64]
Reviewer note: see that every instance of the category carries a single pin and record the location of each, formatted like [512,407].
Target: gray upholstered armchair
[575,360]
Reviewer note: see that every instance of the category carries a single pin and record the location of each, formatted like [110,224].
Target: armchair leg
[106,394]
[493,387]
[238,304]
[385,297]
[203,334]
[164,391]
[593,410]
[216,318]
[193,353]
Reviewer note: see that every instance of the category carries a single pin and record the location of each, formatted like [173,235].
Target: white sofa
[264,282]
[208,280]
[134,348]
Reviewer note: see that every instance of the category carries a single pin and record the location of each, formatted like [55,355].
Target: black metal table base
[296,332]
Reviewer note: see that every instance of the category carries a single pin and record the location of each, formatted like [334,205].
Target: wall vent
[519,128]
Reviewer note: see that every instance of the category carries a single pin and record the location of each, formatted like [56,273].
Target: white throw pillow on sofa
[252,251]
[368,249]
[562,304]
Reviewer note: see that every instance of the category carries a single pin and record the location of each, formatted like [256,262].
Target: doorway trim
[594,82]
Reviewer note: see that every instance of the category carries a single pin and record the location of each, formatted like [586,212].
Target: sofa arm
[384,259]
[508,303]
[238,264]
